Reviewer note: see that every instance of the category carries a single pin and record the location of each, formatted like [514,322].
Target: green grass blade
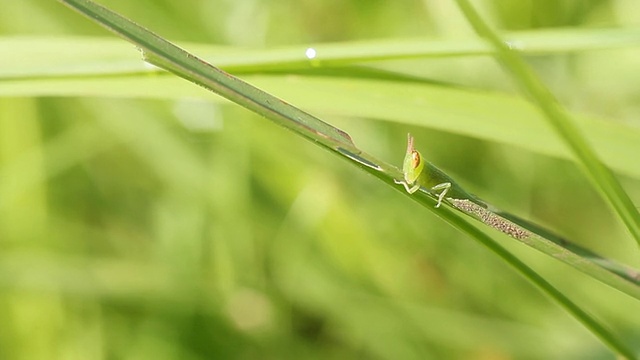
[104,67]
[163,53]
[170,57]
[598,329]
[85,55]
[559,119]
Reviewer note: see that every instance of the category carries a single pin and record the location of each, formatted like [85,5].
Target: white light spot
[310,53]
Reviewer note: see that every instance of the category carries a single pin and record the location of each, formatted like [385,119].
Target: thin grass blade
[559,119]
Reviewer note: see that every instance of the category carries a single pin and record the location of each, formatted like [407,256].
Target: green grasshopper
[420,174]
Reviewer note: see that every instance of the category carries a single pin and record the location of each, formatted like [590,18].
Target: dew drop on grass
[310,53]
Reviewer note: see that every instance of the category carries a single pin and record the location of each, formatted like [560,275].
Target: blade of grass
[110,70]
[167,55]
[559,119]
[599,330]
[100,56]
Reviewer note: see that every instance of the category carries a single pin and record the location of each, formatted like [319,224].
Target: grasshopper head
[413,164]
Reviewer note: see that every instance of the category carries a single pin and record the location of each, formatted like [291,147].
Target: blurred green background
[188,228]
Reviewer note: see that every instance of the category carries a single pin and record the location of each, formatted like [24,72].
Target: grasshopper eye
[415,159]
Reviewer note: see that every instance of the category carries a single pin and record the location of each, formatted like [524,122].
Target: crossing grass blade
[559,119]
